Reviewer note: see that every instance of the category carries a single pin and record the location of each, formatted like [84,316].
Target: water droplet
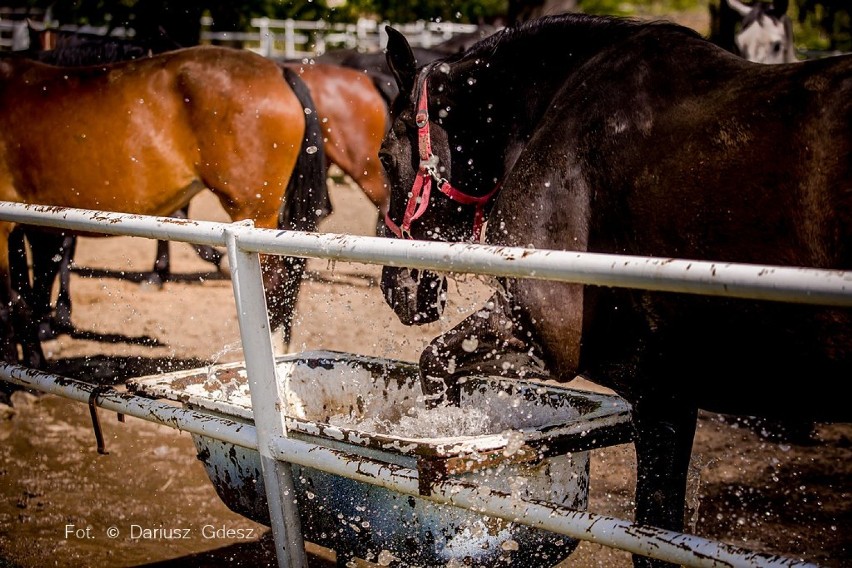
[311,149]
[308,111]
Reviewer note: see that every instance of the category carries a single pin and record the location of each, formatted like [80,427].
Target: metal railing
[269,435]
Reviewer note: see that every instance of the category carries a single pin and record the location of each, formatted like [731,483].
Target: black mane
[572,31]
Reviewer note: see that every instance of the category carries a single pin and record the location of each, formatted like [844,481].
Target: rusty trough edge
[671,546]
[684,549]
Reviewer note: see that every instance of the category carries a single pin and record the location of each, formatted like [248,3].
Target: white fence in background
[292,39]
[289,39]
[278,451]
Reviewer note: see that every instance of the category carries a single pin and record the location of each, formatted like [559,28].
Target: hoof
[154,280]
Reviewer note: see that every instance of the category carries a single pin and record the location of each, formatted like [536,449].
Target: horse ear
[739,7]
[401,60]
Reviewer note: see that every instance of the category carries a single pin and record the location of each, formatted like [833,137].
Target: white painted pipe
[267,399]
[183,419]
[777,283]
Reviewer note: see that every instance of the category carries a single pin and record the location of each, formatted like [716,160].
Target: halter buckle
[421,119]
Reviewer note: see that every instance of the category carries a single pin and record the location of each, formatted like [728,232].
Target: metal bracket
[96,421]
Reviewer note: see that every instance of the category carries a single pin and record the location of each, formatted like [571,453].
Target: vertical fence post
[289,39]
[267,400]
[265,37]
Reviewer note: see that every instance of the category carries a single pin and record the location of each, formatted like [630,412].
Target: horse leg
[162,265]
[19,270]
[49,257]
[664,432]
[282,282]
[209,254]
[488,342]
[62,315]
[15,315]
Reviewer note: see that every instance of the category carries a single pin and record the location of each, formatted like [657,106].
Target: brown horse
[352,115]
[144,137]
[352,110]
[354,120]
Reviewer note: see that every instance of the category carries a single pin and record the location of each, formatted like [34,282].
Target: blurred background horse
[766,32]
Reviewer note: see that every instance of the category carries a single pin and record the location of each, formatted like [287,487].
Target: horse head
[436,193]
[766,35]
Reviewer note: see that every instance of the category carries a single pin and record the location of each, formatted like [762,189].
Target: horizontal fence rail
[777,283]
[278,451]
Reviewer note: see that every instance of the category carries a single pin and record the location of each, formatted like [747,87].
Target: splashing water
[353,397]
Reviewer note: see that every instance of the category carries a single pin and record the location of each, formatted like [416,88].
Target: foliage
[639,7]
[462,11]
[824,24]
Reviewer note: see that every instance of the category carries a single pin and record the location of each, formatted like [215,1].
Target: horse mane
[549,49]
[572,30]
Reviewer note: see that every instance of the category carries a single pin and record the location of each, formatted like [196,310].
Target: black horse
[607,135]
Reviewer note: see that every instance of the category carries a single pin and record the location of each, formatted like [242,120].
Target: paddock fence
[269,435]
[280,39]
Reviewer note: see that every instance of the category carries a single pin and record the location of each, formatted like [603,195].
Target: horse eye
[386,158]
[776,47]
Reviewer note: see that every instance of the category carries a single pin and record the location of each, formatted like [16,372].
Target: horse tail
[306,201]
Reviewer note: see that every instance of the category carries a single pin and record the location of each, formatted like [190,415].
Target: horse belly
[725,355]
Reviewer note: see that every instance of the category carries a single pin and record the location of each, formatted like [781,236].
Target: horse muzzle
[417,297]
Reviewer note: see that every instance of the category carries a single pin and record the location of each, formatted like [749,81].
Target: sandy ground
[58,497]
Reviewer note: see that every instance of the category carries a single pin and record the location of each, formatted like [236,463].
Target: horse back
[742,152]
[198,115]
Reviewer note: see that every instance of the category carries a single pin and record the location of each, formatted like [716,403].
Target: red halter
[427,173]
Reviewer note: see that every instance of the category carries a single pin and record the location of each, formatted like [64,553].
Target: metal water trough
[538,450]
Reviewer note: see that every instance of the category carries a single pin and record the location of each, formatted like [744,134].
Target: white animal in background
[766,35]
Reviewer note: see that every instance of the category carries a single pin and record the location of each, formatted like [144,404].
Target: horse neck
[521,70]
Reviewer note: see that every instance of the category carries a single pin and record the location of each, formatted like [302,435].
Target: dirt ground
[59,497]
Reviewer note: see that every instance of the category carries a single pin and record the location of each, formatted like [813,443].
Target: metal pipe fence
[269,434]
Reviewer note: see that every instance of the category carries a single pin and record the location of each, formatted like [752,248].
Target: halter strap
[428,172]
